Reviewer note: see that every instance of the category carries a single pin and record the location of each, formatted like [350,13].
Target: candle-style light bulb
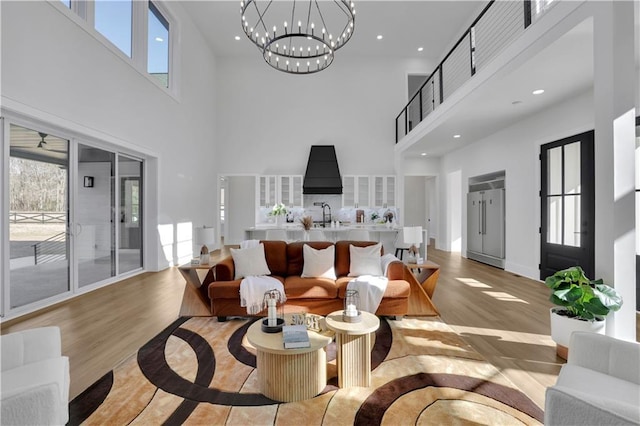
[299,25]
[285,27]
[313,26]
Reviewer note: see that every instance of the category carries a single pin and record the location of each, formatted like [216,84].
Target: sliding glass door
[39,244]
[130,221]
[94,215]
[74,214]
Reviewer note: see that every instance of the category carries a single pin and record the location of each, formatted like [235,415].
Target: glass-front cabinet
[267,188]
[384,191]
[356,191]
[290,190]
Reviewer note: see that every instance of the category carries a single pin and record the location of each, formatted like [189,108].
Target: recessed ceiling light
[456,136]
[420,49]
[538,92]
[237,38]
[379,37]
[159,39]
[424,154]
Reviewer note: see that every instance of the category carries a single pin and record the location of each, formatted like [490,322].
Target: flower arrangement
[307,222]
[278,210]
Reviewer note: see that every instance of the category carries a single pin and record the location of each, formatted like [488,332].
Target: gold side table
[353,342]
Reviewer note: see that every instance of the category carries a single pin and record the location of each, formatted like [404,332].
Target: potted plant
[279,211]
[583,305]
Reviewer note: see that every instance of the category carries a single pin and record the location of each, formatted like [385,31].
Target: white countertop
[341,228]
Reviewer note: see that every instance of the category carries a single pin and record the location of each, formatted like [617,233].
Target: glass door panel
[38,205]
[94,215]
[130,223]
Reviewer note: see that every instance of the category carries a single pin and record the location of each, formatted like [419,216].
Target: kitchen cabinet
[384,191]
[356,191]
[267,190]
[285,189]
[290,190]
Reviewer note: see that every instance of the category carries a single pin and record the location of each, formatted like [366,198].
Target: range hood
[323,174]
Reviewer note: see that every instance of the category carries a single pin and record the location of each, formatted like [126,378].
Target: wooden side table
[353,341]
[190,274]
[428,273]
[289,374]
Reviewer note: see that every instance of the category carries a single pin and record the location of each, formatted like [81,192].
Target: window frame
[82,13]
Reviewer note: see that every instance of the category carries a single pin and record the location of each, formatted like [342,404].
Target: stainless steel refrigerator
[485,226]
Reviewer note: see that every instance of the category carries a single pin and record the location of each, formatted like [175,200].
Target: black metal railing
[499,23]
[51,250]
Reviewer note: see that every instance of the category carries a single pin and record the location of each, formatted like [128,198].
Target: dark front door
[567,205]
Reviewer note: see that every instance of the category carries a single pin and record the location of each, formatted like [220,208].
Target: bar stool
[400,245]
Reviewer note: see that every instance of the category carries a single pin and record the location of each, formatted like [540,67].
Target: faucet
[324,215]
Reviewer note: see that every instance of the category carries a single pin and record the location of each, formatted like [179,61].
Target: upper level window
[158,46]
[113,20]
[66,3]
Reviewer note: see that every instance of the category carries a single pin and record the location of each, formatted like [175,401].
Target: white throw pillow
[250,262]
[318,263]
[365,260]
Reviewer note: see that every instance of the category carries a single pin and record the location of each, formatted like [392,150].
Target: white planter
[562,327]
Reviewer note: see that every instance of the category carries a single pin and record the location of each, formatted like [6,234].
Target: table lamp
[203,237]
[412,235]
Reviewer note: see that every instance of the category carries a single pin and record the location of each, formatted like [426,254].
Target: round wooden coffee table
[353,341]
[289,374]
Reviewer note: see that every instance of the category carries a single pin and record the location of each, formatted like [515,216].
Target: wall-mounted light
[88,181]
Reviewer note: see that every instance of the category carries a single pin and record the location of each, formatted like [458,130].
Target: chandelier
[298,37]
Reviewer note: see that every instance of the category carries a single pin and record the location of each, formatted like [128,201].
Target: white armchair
[599,384]
[35,378]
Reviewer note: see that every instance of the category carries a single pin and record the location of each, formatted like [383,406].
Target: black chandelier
[298,40]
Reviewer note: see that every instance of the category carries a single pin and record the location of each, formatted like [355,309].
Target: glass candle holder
[351,312]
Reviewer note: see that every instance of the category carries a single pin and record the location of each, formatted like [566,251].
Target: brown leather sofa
[315,295]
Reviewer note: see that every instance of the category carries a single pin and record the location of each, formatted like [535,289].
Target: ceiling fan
[42,141]
[42,144]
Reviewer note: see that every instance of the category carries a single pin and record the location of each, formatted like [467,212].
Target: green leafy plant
[581,297]
[278,210]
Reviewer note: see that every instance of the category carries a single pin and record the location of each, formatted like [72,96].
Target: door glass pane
[38,200]
[554,167]
[113,20]
[572,221]
[94,215]
[554,220]
[158,46]
[572,168]
[130,248]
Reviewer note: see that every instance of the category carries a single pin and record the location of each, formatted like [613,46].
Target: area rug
[201,371]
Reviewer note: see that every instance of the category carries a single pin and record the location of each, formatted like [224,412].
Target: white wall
[415,203]
[515,150]
[268,120]
[56,71]
[241,207]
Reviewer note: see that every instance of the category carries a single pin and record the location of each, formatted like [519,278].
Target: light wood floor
[503,316]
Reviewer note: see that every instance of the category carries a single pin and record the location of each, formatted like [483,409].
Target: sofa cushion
[297,287]
[295,254]
[576,377]
[276,254]
[229,289]
[343,258]
[396,289]
[319,263]
[365,260]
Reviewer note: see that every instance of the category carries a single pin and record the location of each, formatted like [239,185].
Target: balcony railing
[499,23]
[51,250]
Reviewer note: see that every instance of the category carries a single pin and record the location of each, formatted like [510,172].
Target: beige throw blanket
[252,290]
[370,291]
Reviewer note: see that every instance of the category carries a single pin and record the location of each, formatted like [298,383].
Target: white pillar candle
[351,310]
[271,313]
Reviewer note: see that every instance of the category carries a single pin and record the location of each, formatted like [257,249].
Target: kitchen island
[295,232]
